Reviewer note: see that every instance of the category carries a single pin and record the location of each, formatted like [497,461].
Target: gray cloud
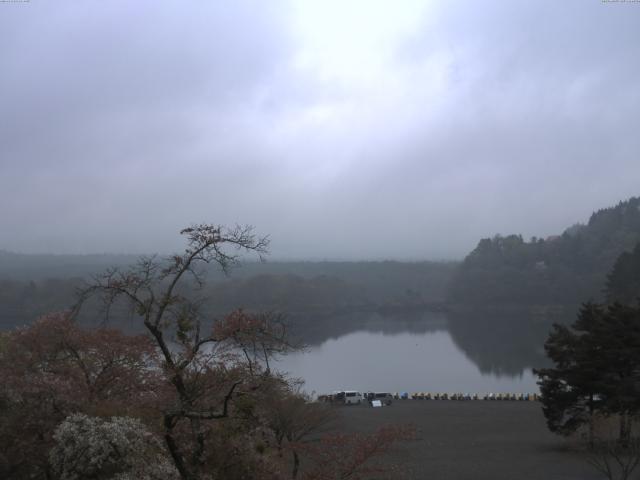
[123,122]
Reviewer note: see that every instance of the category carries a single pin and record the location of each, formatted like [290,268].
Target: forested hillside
[566,269]
[27,291]
[623,283]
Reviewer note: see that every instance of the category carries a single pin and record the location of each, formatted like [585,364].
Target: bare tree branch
[204,368]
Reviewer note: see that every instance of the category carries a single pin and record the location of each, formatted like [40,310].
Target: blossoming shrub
[116,449]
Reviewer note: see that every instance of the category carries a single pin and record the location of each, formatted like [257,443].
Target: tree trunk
[174,451]
[625,429]
[296,465]
[591,423]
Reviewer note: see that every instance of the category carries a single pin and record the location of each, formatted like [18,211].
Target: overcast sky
[344,129]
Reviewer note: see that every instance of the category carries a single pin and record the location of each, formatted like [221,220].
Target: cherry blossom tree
[52,369]
[215,373]
[120,448]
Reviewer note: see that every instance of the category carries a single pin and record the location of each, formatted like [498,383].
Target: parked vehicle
[352,397]
[385,397]
[337,397]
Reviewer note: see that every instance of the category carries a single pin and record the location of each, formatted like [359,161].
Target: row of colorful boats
[530,397]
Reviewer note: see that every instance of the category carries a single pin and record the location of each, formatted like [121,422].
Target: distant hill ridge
[20,266]
[31,285]
[566,269]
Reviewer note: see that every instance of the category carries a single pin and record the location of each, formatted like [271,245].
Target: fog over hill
[563,269]
[346,130]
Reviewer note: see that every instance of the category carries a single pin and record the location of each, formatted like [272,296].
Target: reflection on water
[422,352]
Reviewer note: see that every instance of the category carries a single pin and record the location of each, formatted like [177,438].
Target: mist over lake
[406,362]
[420,353]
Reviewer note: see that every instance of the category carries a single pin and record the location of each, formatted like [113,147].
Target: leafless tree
[206,370]
[615,459]
[295,420]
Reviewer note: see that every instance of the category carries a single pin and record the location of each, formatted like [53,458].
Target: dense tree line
[567,269]
[623,283]
[595,377]
[297,288]
[596,369]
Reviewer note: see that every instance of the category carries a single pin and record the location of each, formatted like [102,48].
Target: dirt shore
[474,440]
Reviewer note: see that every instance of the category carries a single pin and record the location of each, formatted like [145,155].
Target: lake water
[424,355]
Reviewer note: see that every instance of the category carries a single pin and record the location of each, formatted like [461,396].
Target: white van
[351,397]
[385,397]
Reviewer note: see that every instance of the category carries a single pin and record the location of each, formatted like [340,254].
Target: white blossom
[116,449]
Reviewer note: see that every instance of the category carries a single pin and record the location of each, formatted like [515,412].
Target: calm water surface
[398,362]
